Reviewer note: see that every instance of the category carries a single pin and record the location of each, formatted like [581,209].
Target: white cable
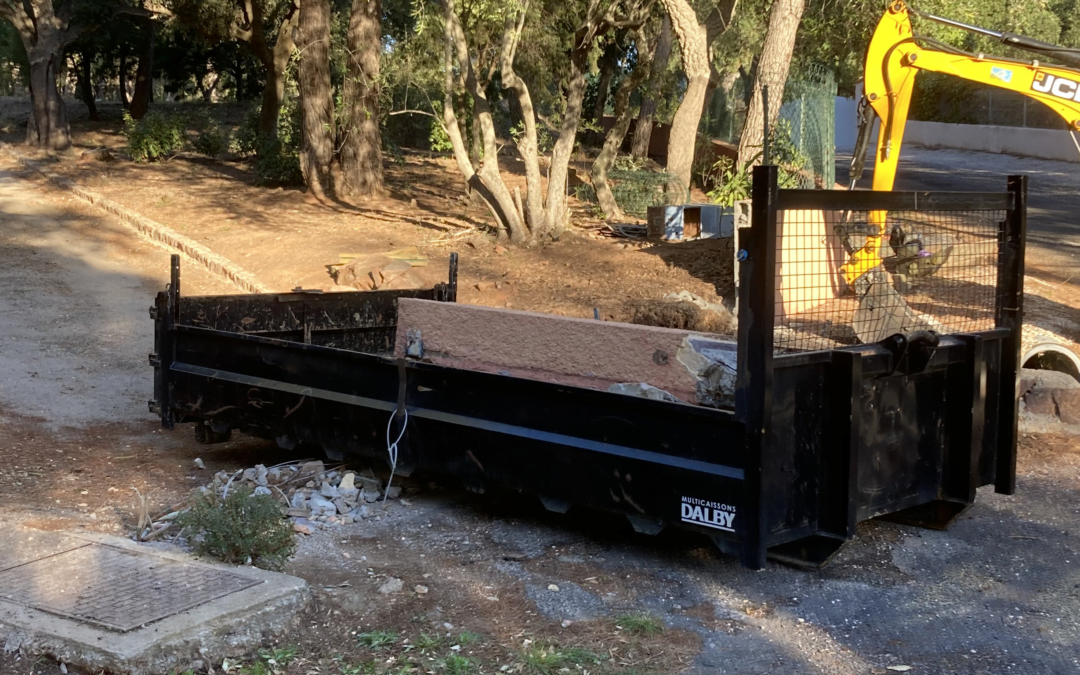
[1073,137]
[391,448]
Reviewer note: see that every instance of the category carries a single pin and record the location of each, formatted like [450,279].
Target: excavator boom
[895,56]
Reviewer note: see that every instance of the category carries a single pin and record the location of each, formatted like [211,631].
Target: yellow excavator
[895,56]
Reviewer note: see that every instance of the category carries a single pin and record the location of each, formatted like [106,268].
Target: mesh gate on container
[939,272]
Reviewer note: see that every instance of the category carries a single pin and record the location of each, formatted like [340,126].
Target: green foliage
[544,658]
[438,139]
[456,664]
[276,160]
[211,138]
[157,136]
[243,526]
[377,640]
[733,184]
[640,624]
[428,644]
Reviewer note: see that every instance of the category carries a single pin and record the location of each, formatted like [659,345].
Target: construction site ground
[504,582]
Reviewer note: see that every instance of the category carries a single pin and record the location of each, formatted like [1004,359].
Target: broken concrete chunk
[327,490]
[642,390]
[321,506]
[714,364]
[312,469]
[351,495]
[348,481]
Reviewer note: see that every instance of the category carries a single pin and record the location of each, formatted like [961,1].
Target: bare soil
[287,239]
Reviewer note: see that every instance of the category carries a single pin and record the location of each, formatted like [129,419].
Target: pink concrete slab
[578,352]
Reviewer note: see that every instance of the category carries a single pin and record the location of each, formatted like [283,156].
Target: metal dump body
[817,440]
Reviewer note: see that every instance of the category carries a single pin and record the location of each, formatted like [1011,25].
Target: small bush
[640,624]
[155,137]
[240,527]
[377,640]
[276,159]
[211,139]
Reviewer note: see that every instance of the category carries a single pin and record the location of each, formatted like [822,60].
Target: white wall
[1041,143]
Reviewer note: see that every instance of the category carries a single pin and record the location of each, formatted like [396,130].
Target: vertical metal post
[452,280]
[1009,313]
[765,123]
[840,458]
[753,385]
[166,345]
[174,286]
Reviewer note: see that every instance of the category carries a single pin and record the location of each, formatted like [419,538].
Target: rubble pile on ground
[312,494]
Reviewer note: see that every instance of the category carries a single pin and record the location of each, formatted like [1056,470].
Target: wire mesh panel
[840,284]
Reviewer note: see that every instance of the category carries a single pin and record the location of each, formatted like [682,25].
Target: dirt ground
[507,587]
[287,240]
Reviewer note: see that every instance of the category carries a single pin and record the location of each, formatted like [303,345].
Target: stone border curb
[152,230]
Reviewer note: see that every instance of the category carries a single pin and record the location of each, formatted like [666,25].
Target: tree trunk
[86,88]
[317,148]
[144,83]
[694,45]
[618,131]
[660,56]
[48,125]
[487,182]
[557,212]
[603,86]
[361,149]
[694,42]
[276,61]
[772,71]
[122,82]
[528,146]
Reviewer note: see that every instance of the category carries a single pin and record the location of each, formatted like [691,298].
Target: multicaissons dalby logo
[710,514]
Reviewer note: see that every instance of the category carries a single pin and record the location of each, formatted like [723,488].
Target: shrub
[155,137]
[240,527]
[276,160]
[211,139]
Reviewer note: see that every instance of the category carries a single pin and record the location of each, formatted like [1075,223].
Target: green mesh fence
[810,111]
[809,114]
[637,190]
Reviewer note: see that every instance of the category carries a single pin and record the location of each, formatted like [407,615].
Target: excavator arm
[896,55]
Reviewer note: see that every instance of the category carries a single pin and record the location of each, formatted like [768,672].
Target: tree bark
[487,182]
[615,136]
[86,87]
[557,211]
[140,100]
[317,147]
[603,86]
[125,103]
[644,126]
[694,41]
[361,149]
[528,146]
[44,29]
[275,60]
[772,71]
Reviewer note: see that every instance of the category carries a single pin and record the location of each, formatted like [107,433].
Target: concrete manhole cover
[114,588]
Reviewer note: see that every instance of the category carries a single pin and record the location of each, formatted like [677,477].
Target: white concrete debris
[314,495]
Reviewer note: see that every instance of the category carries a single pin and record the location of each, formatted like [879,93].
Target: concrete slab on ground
[107,603]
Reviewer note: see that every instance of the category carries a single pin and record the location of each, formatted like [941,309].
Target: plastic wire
[392,449]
